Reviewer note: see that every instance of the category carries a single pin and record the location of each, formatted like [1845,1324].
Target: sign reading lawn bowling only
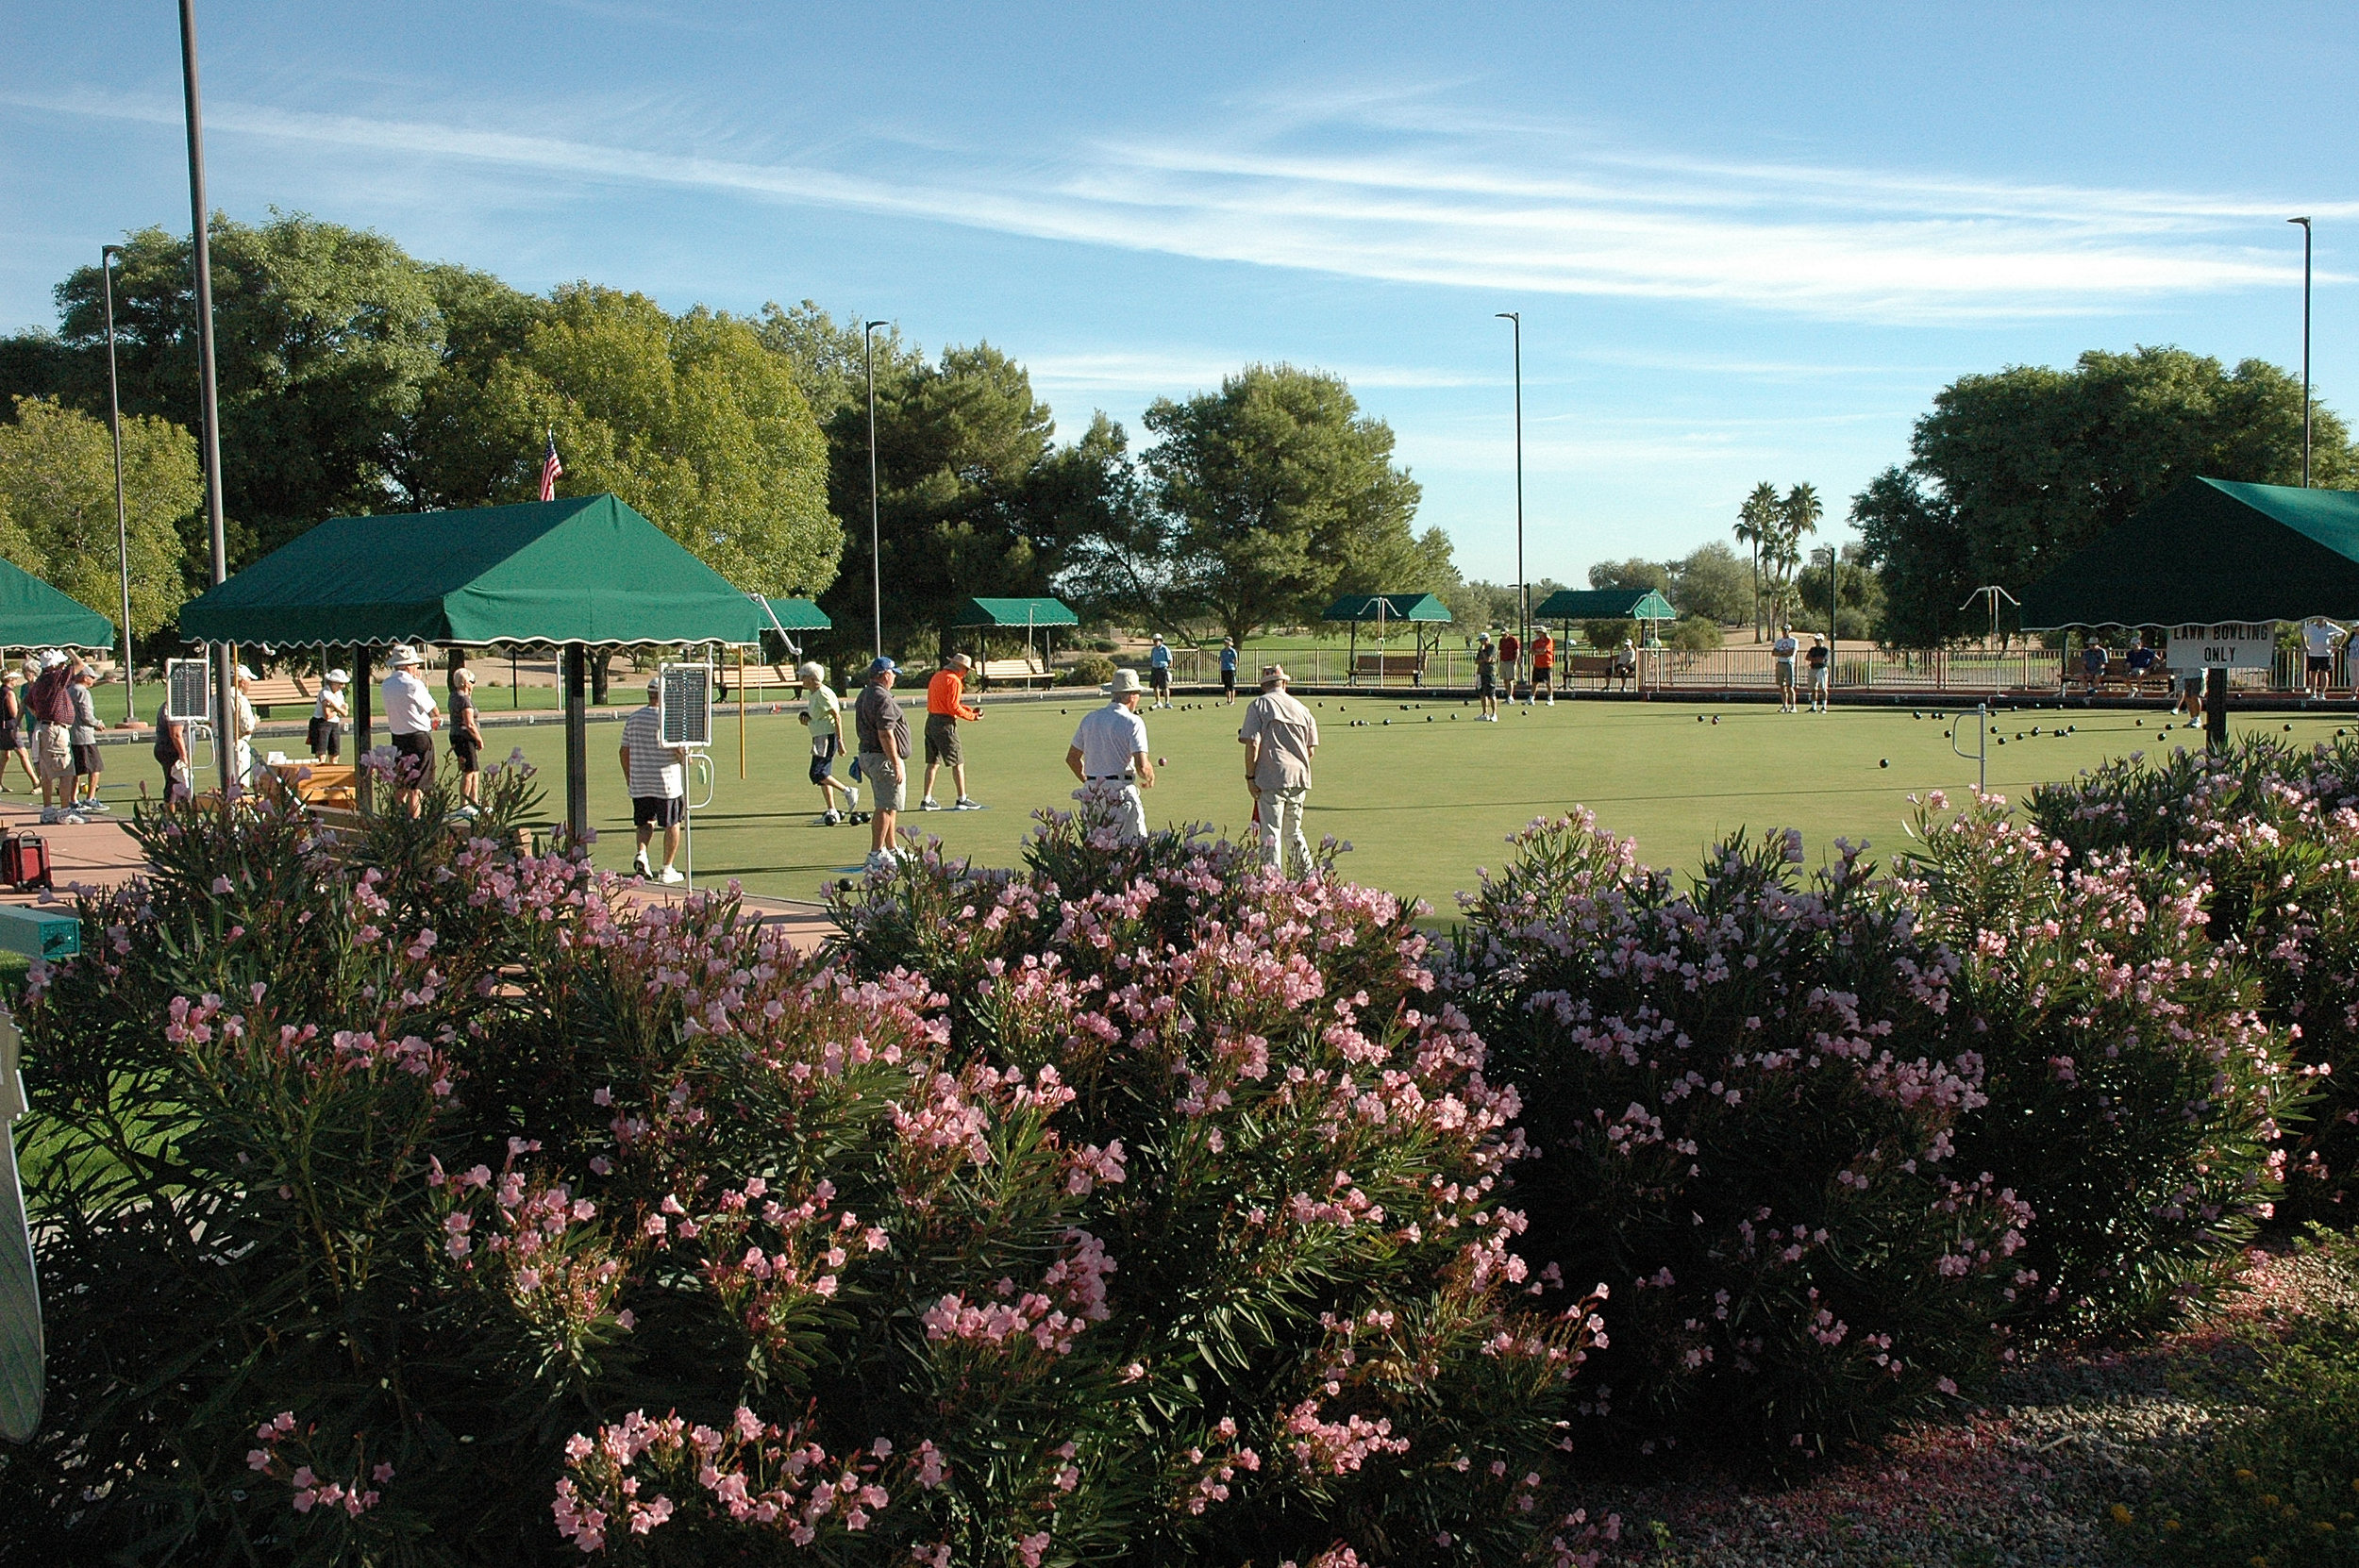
[2229,646]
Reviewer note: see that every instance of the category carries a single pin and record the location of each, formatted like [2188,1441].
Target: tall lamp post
[114,430]
[2305,348]
[1523,594]
[207,399]
[876,557]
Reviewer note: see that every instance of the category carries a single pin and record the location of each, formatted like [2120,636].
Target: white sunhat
[244,674]
[402,655]
[338,677]
[52,658]
[1125,680]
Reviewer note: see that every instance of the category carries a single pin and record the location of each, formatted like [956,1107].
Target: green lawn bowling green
[1424,800]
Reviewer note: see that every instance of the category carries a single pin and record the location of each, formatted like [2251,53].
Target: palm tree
[1756,522]
[1797,515]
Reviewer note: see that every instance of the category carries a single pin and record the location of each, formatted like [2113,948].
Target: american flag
[550,470]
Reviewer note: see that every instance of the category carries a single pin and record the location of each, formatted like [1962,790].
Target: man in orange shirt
[944,707]
[1543,665]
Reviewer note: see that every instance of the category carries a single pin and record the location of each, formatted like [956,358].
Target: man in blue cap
[885,750]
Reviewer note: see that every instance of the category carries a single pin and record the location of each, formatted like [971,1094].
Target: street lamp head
[2303,222]
[106,251]
[1515,316]
[874,325]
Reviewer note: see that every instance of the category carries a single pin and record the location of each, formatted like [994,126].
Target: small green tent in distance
[586,571]
[35,615]
[1010,615]
[1604,603]
[2211,552]
[800,615]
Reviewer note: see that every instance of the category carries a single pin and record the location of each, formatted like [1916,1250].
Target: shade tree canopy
[58,505]
[2010,473]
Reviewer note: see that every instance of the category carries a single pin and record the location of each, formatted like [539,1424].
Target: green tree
[1637,573]
[1284,495]
[459,448]
[1710,582]
[973,496]
[57,500]
[1859,595]
[2011,472]
[325,336]
[687,418]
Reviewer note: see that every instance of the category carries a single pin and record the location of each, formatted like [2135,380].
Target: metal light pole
[2305,348]
[114,430]
[207,397]
[876,557]
[1523,594]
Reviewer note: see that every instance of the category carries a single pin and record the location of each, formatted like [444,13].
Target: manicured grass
[1423,800]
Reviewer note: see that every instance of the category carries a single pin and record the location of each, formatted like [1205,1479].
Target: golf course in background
[1424,800]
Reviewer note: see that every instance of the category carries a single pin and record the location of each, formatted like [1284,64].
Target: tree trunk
[599,658]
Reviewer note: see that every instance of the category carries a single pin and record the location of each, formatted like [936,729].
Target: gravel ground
[2021,1478]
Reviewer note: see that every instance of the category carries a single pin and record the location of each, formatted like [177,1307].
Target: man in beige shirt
[1279,736]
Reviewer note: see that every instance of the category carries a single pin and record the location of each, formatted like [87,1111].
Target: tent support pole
[2215,708]
[577,744]
[740,712]
[361,686]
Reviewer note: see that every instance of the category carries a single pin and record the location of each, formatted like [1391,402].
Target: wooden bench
[758,678]
[1597,667]
[1383,664]
[2118,677]
[279,690]
[1013,672]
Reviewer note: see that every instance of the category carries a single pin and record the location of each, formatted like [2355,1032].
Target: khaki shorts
[942,742]
[53,754]
[889,791]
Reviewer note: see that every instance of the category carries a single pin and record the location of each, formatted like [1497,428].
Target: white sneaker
[669,876]
[966,804]
[73,817]
[50,814]
[853,795]
[879,862]
[640,868]
[98,806]
[929,803]
[831,817]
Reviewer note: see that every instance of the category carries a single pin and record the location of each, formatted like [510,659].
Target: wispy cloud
[1181,374]
[1392,187]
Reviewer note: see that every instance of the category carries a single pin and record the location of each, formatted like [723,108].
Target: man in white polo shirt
[1109,754]
[409,719]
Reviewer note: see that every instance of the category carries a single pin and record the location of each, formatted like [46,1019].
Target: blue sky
[1749,242]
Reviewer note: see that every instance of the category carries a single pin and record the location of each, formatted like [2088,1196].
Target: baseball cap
[880,665]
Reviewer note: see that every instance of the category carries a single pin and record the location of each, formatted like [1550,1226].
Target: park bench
[1014,672]
[1382,665]
[1597,667]
[279,690]
[2118,677]
[758,678]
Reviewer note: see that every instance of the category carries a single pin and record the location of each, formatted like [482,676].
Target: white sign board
[684,705]
[2233,646]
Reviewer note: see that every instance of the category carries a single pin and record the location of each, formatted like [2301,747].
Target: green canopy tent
[35,615]
[1037,616]
[2211,551]
[1384,610]
[2212,561]
[581,573]
[1605,604]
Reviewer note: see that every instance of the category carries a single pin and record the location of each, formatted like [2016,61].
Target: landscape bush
[2273,832]
[1744,1098]
[1090,669]
[410,1199]
[2134,1092]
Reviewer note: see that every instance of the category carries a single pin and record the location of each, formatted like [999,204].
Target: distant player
[823,715]
[1229,671]
[1543,665]
[1486,680]
[947,707]
[1782,651]
[1820,658]
[2319,638]
[1511,660]
[1159,671]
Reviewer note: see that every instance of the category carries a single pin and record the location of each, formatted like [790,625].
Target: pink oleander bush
[412,1200]
[2136,1093]
[1288,1143]
[2272,832]
[1745,1097]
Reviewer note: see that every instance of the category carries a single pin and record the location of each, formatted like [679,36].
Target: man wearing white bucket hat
[1110,753]
[409,719]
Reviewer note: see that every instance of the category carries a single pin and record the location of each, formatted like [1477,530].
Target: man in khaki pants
[1279,736]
